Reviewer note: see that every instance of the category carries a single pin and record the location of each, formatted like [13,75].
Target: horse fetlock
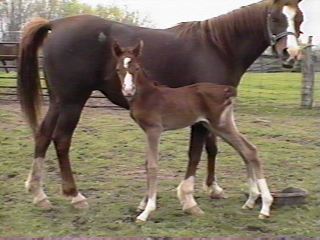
[214,191]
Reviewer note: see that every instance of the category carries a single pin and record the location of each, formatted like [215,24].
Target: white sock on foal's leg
[253,194]
[151,206]
[34,184]
[266,197]
[142,204]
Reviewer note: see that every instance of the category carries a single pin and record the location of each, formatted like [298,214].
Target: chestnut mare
[158,108]
[78,60]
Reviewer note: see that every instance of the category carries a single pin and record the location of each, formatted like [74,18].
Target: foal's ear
[137,51]
[283,2]
[116,49]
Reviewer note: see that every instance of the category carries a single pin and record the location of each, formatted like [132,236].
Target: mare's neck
[242,36]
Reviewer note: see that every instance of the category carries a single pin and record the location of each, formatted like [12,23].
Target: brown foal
[158,108]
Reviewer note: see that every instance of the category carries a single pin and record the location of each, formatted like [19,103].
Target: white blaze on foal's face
[292,42]
[128,85]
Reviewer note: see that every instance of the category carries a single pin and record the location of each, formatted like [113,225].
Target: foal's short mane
[218,30]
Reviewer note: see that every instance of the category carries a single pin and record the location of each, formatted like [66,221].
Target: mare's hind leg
[211,185]
[229,132]
[34,183]
[186,188]
[69,116]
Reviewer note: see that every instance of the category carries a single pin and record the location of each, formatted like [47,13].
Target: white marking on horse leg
[214,191]
[185,193]
[266,197]
[253,194]
[35,181]
[292,41]
[143,203]
[79,201]
[151,206]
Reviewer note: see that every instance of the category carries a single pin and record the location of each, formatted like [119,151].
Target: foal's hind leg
[69,116]
[186,188]
[229,132]
[42,141]
[211,185]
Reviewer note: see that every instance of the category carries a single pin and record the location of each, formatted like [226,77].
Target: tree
[14,13]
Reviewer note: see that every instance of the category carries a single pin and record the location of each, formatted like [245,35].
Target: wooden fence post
[308,76]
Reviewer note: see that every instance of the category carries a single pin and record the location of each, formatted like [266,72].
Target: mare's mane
[220,30]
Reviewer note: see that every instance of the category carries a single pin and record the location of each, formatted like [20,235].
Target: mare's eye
[275,20]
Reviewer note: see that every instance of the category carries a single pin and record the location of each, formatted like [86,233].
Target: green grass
[108,162]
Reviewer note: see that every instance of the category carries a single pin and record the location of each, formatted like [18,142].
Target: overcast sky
[166,13]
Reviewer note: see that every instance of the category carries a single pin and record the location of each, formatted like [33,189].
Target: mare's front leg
[186,188]
[211,184]
[153,139]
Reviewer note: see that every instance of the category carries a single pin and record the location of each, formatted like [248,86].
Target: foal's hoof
[140,222]
[194,211]
[248,206]
[81,205]
[44,204]
[263,216]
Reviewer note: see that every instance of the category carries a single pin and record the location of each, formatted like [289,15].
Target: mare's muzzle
[287,60]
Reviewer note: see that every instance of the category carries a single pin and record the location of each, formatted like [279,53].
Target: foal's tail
[29,86]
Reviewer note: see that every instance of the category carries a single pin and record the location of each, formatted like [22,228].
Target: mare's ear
[116,49]
[137,50]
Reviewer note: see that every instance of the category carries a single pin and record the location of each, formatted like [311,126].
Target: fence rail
[265,64]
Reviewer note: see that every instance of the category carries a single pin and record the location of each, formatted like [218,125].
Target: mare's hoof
[263,216]
[220,195]
[194,211]
[44,204]
[81,205]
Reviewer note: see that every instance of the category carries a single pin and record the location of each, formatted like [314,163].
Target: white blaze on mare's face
[292,42]
[128,86]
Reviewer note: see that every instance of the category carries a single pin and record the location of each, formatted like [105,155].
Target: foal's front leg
[153,137]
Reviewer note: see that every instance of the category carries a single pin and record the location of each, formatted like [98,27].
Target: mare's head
[284,21]
[127,66]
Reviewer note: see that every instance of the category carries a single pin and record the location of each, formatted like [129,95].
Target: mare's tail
[29,86]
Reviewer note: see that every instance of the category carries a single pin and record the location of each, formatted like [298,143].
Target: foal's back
[176,108]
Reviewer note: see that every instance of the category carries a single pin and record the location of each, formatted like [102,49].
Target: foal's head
[284,21]
[127,66]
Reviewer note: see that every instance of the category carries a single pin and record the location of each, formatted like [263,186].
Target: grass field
[108,159]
